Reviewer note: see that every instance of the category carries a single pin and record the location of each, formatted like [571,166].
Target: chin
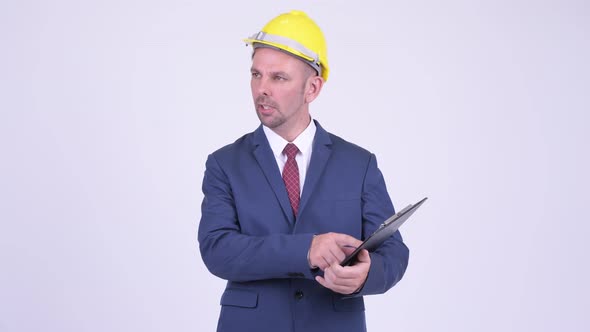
[271,123]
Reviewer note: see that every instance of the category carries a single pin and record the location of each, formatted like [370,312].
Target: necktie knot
[290,150]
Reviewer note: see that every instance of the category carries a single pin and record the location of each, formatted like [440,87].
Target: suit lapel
[267,162]
[319,158]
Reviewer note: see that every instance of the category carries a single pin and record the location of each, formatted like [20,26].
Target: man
[285,204]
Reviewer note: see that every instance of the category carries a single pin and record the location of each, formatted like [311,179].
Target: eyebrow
[272,73]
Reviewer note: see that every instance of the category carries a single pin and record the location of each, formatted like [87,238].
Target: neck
[290,134]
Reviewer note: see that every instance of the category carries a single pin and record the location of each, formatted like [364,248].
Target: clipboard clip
[390,220]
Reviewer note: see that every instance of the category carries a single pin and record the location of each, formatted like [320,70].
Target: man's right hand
[330,248]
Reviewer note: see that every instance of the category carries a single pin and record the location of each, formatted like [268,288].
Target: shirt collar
[303,142]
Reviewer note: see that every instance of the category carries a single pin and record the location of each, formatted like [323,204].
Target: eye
[280,78]
[255,75]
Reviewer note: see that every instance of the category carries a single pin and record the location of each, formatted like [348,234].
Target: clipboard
[387,228]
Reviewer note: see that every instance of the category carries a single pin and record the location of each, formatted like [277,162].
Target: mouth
[265,109]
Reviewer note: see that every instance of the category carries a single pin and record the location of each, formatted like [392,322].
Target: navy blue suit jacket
[249,236]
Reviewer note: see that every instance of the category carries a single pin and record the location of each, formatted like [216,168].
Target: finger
[364,257]
[337,254]
[331,254]
[328,252]
[321,262]
[327,263]
[345,272]
[348,250]
[341,275]
[321,281]
[320,245]
[322,258]
[327,282]
[345,239]
[339,285]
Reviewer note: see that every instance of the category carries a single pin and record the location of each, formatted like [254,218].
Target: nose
[261,86]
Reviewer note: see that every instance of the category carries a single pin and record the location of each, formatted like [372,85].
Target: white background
[108,110]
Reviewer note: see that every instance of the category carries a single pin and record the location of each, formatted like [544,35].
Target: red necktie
[291,176]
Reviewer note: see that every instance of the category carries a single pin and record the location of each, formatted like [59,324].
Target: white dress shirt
[304,143]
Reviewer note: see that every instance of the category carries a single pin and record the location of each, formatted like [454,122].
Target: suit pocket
[239,298]
[348,304]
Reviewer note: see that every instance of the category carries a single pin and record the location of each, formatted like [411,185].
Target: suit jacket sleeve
[389,261]
[232,255]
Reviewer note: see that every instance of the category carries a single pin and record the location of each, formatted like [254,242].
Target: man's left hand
[347,279]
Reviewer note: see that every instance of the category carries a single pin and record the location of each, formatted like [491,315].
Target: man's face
[278,84]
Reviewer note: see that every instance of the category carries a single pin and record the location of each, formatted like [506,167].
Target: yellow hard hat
[297,34]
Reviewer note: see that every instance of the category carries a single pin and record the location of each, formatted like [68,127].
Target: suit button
[299,294]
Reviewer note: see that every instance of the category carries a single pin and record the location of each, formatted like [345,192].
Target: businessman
[285,204]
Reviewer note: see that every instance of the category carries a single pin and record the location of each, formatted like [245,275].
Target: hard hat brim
[290,46]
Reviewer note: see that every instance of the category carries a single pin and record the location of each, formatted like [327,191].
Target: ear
[313,87]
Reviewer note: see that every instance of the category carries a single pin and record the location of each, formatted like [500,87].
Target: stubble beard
[276,119]
[273,121]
